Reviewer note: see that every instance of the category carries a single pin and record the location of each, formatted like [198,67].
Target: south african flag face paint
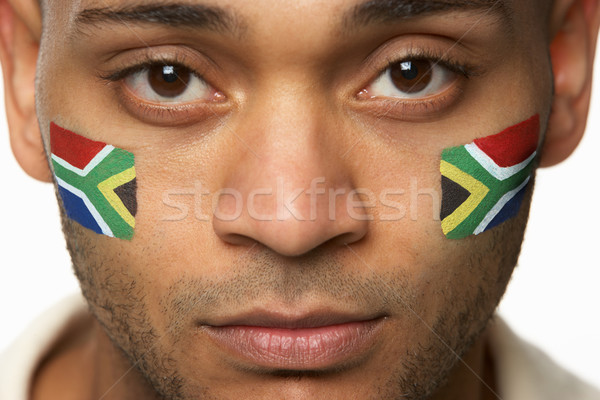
[484,182]
[96,182]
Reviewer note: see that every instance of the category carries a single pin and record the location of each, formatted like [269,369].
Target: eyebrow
[174,15]
[200,16]
[378,11]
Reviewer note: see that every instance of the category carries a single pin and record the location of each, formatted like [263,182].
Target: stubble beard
[117,299]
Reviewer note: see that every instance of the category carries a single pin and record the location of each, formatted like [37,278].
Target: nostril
[237,239]
[290,238]
[348,237]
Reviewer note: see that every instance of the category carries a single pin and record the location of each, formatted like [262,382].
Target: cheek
[444,272]
[484,182]
[474,272]
[96,183]
[174,225]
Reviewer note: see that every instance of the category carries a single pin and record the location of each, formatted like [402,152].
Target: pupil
[412,76]
[169,74]
[169,80]
[409,70]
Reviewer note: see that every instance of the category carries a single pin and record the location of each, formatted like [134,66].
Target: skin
[290,110]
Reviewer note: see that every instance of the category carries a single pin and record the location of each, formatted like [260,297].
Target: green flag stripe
[117,225]
[463,160]
[117,161]
[112,164]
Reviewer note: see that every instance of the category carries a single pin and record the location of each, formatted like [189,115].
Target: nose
[287,185]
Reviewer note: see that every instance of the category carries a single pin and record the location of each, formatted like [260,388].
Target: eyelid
[165,114]
[465,69]
[175,114]
[143,65]
[134,60]
[443,52]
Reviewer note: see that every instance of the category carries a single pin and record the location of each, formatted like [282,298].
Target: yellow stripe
[477,189]
[108,190]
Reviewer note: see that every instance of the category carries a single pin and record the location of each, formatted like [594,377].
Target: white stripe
[102,154]
[498,172]
[498,207]
[99,220]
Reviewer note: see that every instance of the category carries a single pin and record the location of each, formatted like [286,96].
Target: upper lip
[270,319]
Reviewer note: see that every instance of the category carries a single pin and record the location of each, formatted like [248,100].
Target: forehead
[301,31]
[346,14]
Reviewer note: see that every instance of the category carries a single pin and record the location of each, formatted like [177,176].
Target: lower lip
[298,349]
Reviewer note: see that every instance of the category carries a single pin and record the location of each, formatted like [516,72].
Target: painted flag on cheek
[96,182]
[484,182]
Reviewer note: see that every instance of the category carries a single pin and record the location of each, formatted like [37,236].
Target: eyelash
[465,69]
[145,64]
[157,113]
[422,108]
[176,114]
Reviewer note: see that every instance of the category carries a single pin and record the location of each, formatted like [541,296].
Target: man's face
[286,109]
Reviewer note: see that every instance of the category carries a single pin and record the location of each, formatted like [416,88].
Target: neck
[115,377]
[473,375]
[86,365]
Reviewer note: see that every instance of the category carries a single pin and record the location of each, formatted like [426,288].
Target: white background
[553,299]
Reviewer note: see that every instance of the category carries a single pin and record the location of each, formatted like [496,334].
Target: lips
[309,342]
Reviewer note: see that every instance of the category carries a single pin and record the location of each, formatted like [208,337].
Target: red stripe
[513,145]
[76,150]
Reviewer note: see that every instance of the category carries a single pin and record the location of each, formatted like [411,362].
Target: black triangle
[127,194]
[453,195]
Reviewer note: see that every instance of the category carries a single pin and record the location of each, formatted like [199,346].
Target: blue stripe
[510,209]
[77,210]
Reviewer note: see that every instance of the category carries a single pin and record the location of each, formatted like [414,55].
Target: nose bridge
[291,126]
[287,181]
[288,128]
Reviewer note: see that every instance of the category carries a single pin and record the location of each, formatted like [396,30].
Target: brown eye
[412,79]
[170,83]
[169,80]
[411,76]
